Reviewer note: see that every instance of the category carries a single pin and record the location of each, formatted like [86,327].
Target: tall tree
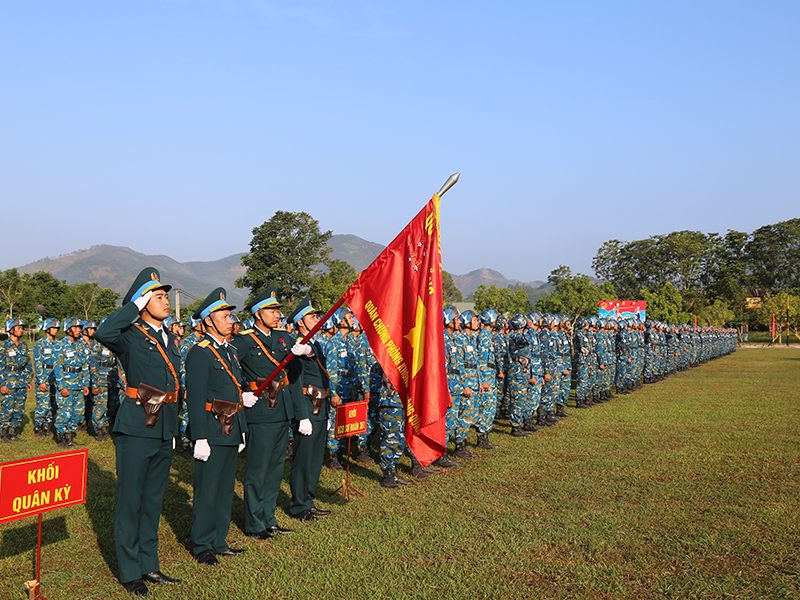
[574,295]
[12,290]
[774,255]
[449,290]
[327,288]
[284,252]
[503,300]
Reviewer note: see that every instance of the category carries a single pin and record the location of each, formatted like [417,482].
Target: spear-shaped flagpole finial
[451,181]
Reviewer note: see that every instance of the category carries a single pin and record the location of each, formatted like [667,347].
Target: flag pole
[451,181]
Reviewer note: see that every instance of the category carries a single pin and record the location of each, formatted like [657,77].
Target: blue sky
[176,126]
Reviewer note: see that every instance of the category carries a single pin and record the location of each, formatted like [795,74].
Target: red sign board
[36,485]
[351,419]
[628,308]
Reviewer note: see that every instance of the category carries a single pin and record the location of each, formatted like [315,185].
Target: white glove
[173,443]
[142,301]
[301,349]
[202,450]
[243,444]
[249,399]
[305,427]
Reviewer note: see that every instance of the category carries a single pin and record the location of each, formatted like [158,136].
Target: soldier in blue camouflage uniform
[452,359]
[44,363]
[548,348]
[519,370]
[608,368]
[363,361]
[15,381]
[341,371]
[470,382]
[186,344]
[563,364]
[624,360]
[583,342]
[103,367]
[391,422]
[491,372]
[501,351]
[72,380]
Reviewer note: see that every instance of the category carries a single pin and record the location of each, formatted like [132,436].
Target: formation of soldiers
[201,389]
[525,366]
[73,378]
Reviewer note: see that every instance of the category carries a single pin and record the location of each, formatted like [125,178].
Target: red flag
[398,300]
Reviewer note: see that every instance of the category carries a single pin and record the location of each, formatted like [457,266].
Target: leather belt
[72,369]
[453,372]
[46,366]
[105,363]
[470,366]
[491,365]
[15,368]
[132,392]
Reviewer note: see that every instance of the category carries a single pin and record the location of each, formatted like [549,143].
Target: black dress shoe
[305,515]
[261,535]
[277,530]
[232,552]
[206,557]
[159,578]
[319,512]
[136,587]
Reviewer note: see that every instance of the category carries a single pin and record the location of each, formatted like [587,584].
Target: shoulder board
[245,331]
[203,344]
[278,329]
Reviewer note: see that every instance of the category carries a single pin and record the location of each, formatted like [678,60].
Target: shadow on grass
[24,538]
[100,504]
[177,509]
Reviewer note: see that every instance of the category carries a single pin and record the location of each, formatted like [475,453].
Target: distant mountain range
[116,266]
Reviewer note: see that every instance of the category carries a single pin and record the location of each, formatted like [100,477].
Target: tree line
[684,274]
[35,296]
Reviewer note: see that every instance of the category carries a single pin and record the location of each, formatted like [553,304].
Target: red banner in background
[36,485]
[628,308]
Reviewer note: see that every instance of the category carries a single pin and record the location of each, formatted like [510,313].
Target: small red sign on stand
[351,419]
[37,485]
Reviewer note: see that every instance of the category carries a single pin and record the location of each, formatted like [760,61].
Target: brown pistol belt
[271,391]
[224,411]
[317,395]
[151,399]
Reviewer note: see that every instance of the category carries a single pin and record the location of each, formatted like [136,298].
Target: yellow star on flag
[416,337]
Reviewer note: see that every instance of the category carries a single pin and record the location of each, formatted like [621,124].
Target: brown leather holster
[152,400]
[317,395]
[225,411]
[270,392]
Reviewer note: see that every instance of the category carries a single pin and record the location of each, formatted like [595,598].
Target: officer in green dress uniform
[145,425]
[310,430]
[261,349]
[217,427]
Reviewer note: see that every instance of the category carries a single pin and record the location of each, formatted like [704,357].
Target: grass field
[688,488]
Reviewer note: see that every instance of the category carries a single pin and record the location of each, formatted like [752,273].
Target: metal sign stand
[346,487]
